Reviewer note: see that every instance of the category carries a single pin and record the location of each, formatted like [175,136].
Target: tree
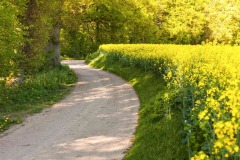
[43,27]
[182,22]
[11,36]
[89,23]
[223,21]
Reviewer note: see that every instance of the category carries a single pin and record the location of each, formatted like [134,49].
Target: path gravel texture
[95,122]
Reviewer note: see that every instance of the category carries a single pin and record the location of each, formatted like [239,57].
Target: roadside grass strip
[157,136]
[195,94]
[36,93]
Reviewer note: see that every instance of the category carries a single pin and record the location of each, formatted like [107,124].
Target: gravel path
[95,122]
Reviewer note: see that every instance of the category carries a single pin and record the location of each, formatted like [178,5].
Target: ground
[95,122]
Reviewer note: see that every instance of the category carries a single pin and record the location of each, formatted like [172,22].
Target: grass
[36,93]
[157,136]
[77,57]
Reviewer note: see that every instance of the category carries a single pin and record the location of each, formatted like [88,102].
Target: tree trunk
[54,45]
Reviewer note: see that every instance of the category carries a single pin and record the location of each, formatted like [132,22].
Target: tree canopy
[26,37]
[30,29]
[88,23]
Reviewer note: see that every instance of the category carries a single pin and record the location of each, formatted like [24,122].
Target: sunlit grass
[36,93]
[203,82]
[157,137]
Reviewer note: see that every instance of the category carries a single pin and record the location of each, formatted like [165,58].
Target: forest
[30,29]
[89,23]
[36,34]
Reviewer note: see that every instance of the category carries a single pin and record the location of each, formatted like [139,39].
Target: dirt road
[95,122]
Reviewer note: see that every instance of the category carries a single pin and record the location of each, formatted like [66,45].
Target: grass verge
[36,93]
[157,136]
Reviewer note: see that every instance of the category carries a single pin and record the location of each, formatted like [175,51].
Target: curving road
[95,122]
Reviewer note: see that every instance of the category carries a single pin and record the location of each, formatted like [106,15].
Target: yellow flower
[218,144]
[169,75]
[236,148]
[211,75]
[197,102]
[226,155]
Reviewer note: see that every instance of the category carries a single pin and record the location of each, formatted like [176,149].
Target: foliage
[157,136]
[39,85]
[11,36]
[25,33]
[36,92]
[6,121]
[89,23]
[41,16]
[223,21]
[202,81]
[27,27]
[183,22]
[27,77]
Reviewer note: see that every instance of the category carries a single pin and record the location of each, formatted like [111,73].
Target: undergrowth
[37,92]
